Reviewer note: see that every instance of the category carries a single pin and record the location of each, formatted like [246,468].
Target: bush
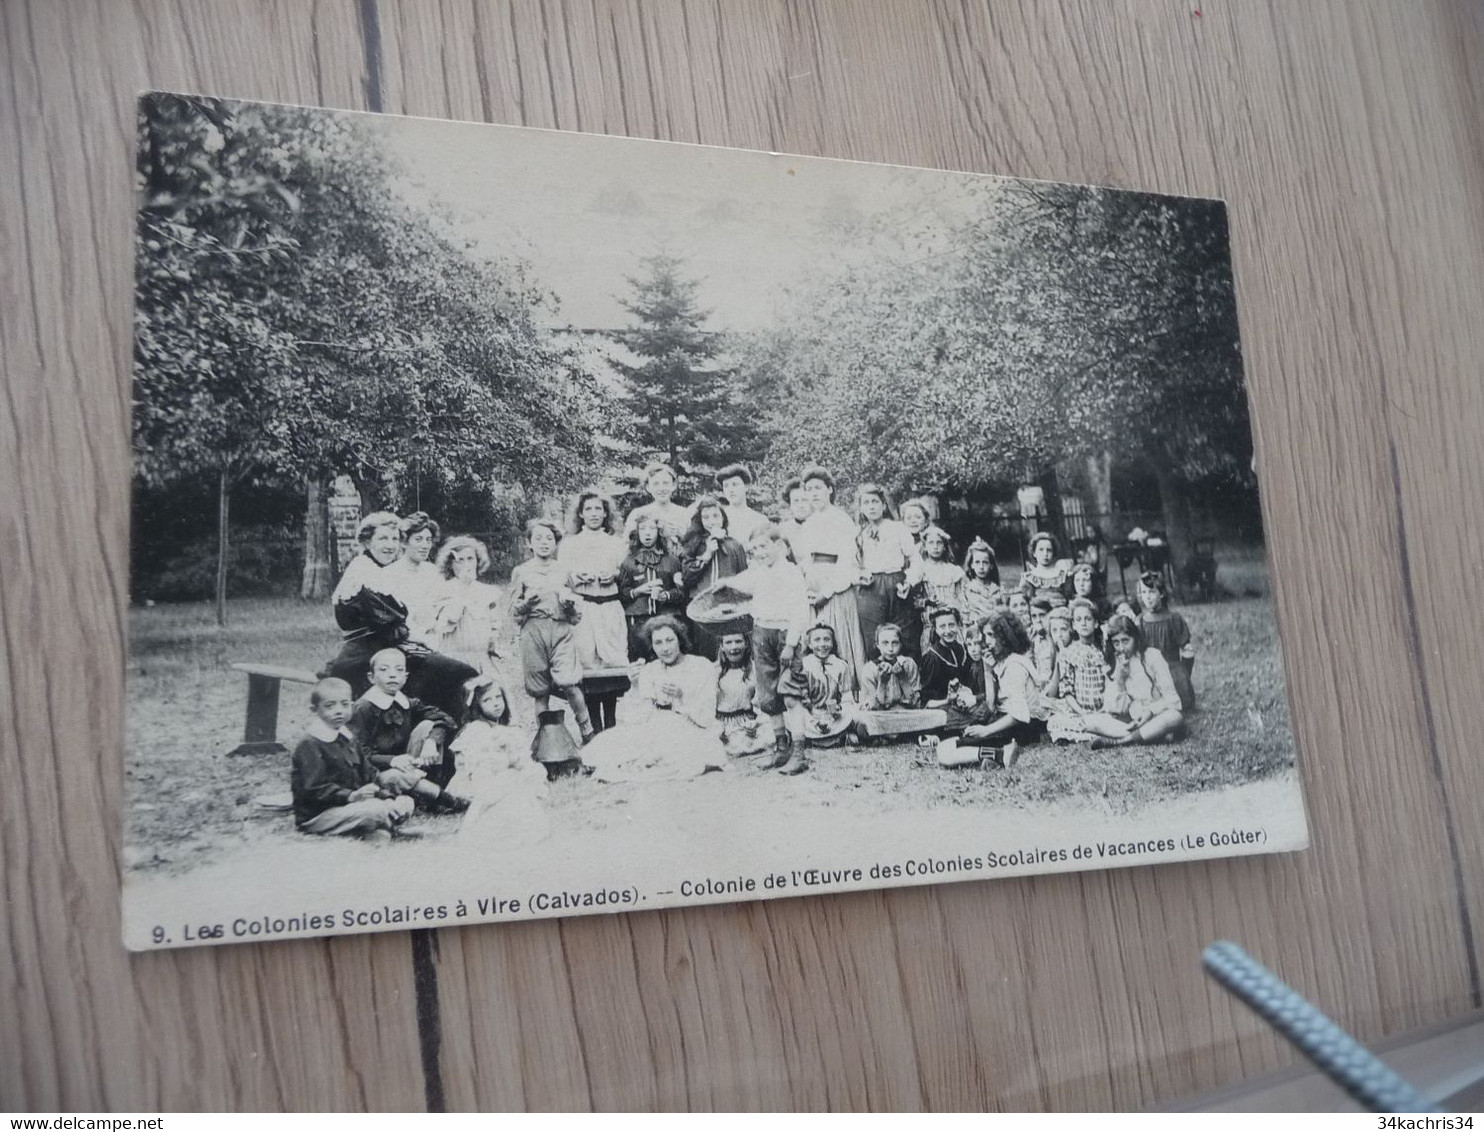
[262,561]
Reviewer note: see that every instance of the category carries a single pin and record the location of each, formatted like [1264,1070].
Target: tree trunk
[1100,476]
[223,503]
[1050,485]
[315,584]
[1174,502]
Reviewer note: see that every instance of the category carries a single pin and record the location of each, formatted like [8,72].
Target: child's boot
[797,763]
[782,745]
[447,803]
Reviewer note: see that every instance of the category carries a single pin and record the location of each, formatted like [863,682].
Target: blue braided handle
[1345,1061]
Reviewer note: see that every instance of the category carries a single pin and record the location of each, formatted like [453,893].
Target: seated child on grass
[1081,676]
[1142,704]
[506,785]
[742,730]
[891,681]
[406,735]
[817,691]
[335,786]
[1167,631]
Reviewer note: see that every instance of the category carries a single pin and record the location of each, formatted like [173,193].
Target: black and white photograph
[529,523]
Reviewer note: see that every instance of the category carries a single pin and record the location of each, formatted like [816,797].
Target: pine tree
[685,402]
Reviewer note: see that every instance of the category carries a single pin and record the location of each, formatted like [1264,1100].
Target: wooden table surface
[1345,137]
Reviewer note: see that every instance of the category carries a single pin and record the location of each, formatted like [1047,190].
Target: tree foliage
[281,273]
[685,402]
[296,316]
[1055,321]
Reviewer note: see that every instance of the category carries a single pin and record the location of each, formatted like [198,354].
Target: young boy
[545,609]
[779,604]
[406,735]
[891,681]
[334,784]
[820,703]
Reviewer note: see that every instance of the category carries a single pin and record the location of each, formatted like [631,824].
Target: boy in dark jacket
[334,783]
[406,735]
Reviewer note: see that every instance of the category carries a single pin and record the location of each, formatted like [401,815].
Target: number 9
[158,934]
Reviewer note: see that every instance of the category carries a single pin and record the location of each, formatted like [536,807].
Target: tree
[685,402]
[296,317]
[207,365]
[1056,321]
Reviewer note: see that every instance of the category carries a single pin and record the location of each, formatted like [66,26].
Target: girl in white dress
[669,730]
[466,619]
[507,787]
[592,554]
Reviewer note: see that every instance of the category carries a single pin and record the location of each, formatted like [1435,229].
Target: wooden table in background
[1345,136]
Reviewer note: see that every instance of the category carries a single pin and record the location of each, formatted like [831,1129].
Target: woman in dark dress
[373,618]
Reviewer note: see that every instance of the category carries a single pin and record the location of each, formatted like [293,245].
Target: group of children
[816,630]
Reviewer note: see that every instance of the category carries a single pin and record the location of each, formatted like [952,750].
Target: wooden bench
[260,734]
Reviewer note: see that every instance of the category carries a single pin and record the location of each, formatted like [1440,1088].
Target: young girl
[886,552]
[592,555]
[507,786]
[1081,676]
[1141,704]
[670,727]
[820,696]
[1014,694]
[832,567]
[1084,585]
[1045,576]
[1167,631]
[937,582]
[709,555]
[466,620]
[742,732]
[982,593]
[917,519]
[1019,605]
[649,581]
[1059,629]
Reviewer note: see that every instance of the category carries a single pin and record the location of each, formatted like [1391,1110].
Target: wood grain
[1344,136]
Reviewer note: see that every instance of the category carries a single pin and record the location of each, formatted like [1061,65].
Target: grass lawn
[188,801]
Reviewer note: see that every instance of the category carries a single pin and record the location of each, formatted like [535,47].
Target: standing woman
[832,567]
[674,520]
[416,582]
[708,555]
[592,554]
[887,552]
[373,618]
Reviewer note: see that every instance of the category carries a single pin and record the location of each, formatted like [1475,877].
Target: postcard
[530,523]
